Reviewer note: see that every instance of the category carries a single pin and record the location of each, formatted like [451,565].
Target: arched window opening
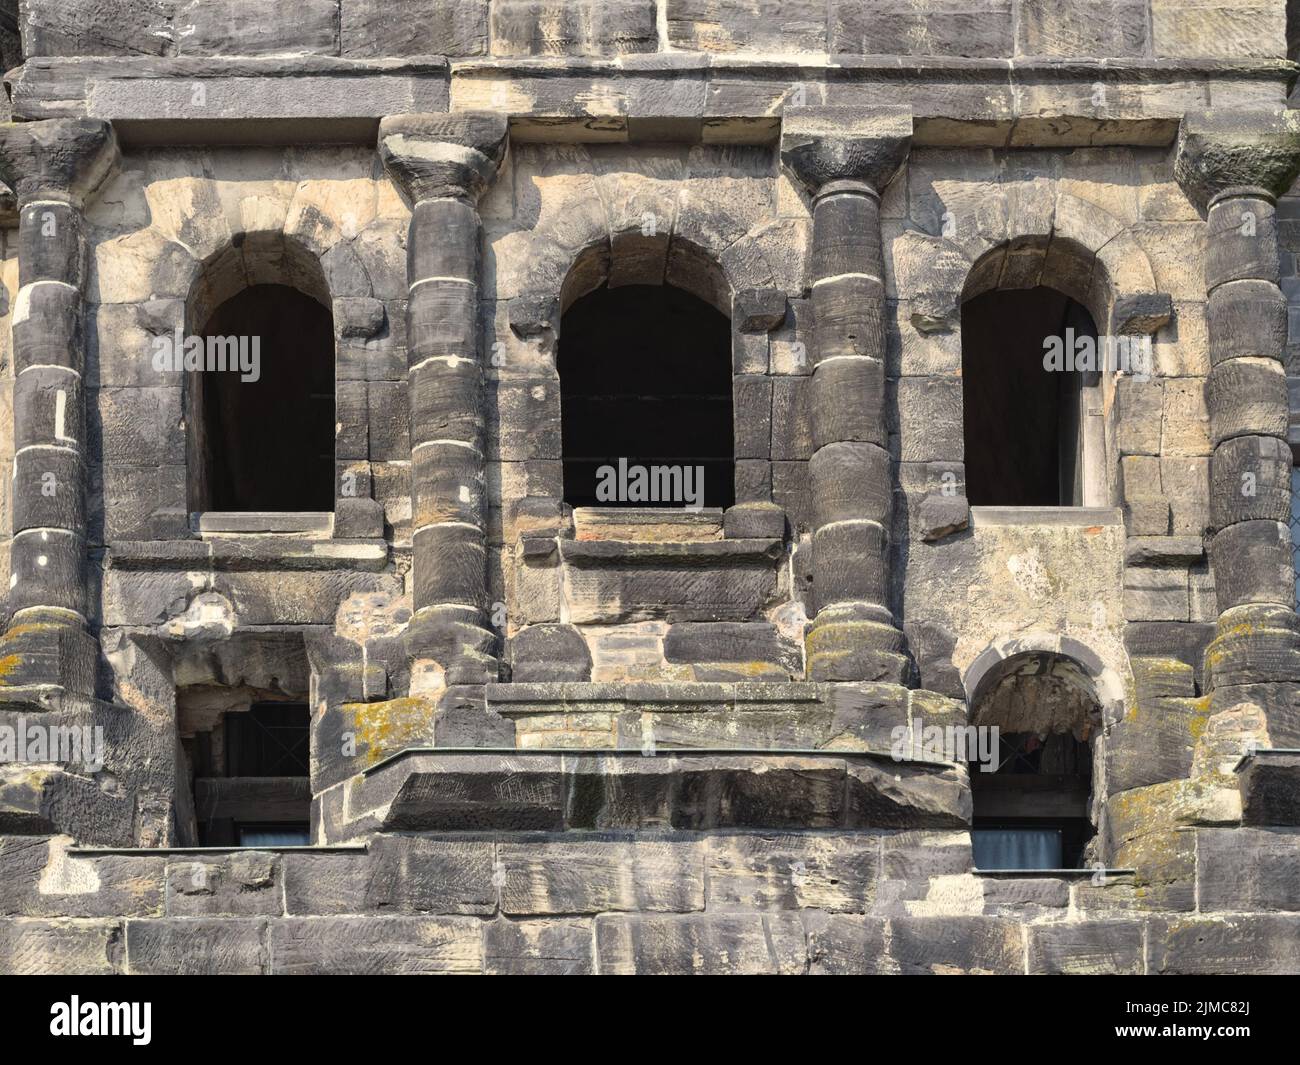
[263,404]
[1031,418]
[646,400]
[1031,803]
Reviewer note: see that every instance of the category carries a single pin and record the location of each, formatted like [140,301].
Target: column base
[856,642]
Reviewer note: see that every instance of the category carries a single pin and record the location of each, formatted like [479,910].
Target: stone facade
[557,739]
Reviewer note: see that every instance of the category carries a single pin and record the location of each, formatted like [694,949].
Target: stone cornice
[961,102]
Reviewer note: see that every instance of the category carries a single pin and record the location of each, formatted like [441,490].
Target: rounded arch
[636,259]
[1044,702]
[705,260]
[1073,662]
[270,257]
[1085,253]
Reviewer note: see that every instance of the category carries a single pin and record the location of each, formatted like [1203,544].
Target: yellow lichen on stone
[384,727]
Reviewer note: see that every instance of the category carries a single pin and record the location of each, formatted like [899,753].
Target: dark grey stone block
[956,945]
[707,944]
[1086,948]
[193,947]
[368,945]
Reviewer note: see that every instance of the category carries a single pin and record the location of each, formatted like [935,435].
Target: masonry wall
[650,779]
[467,28]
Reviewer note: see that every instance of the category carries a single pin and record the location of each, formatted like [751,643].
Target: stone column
[442,163]
[845,157]
[1232,165]
[52,167]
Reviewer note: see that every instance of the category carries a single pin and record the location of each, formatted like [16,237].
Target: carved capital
[825,145]
[1223,150]
[436,155]
[59,159]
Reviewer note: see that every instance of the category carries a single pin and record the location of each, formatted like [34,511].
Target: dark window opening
[269,740]
[252,777]
[645,377]
[266,444]
[1023,422]
[1032,813]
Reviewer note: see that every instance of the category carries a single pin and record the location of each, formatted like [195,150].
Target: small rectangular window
[268,740]
[252,783]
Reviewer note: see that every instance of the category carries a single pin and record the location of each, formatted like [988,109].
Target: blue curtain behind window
[1017,848]
[274,837]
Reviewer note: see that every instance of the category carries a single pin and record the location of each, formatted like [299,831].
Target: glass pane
[1017,848]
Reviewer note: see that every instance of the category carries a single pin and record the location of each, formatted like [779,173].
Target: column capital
[436,155]
[58,159]
[845,146]
[1221,151]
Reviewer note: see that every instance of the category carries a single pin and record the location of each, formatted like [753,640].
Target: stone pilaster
[1232,165]
[442,163]
[845,157]
[52,166]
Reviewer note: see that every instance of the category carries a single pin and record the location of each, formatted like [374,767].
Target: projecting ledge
[560,790]
[707,552]
[685,695]
[240,552]
[1083,517]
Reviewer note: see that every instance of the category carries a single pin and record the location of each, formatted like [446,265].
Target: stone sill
[262,523]
[252,553]
[1080,517]
[647,524]
[498,757]
[670,552]
[685,697]
[100,852]
[1054,874]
